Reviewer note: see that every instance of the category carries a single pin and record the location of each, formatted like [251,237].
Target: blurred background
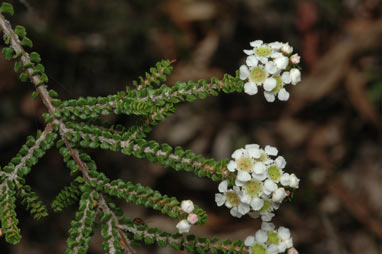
[329,131]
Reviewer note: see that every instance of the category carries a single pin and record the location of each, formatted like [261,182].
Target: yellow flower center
[258,249]
[264,51]
[253,188]
[273,238]
[258,75]
[274,173]
[245,164]
[233,198]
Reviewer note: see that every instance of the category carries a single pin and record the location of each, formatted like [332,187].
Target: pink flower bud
[292,251]
[295,59]
[192,218]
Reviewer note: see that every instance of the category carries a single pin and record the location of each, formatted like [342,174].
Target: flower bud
[183,226]
[192,218]
[295,76]
[293,181]
[294,59]
[282,62]
[286,49]
[292,251]
[278,195]
[187,206]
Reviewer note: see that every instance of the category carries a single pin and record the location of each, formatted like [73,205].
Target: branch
[15,43]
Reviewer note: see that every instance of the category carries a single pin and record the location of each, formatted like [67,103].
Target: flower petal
[250,88]
[261,236]
[223,186]
[248,51]
[270,150]
[219,199]
[252,61]
[244,72]
[243,176]
[232,166]
[283,95]
[269,84]
[269,97]
[256,43]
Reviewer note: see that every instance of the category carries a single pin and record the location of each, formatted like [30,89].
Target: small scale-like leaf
[7,8]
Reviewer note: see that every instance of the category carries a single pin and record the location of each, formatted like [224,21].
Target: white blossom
[183,226]
[295,76]
[270,66]
[187,206]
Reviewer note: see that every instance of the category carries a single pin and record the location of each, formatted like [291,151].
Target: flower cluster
[261,183]
[184,226]
[272,66]
[268,240]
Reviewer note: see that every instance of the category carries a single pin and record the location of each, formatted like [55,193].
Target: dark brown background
[328,131]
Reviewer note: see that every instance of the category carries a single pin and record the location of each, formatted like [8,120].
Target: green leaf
[35,95]
[27,42]
[18,66]
[7,53]
[35,57]
[20,31]
[23,77]
[6,8]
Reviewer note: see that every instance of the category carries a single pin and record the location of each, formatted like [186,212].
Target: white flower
[231,199]
[187,206]
[295,76]
[192,218]
[183,226]
[243,164]
[282,62]
[294,181]
[267,65]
